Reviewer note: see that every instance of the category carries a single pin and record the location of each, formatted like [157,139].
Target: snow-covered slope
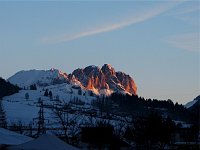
[20,108]
[191,103]
[39,77]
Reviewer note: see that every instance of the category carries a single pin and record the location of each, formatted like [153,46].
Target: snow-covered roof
[44,142]
[11,138]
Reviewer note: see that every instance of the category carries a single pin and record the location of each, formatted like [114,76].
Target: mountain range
[101,81]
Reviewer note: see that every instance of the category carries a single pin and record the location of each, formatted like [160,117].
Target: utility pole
[41,123]
[40,119]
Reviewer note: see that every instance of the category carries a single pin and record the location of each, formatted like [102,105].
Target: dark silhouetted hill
[6,88]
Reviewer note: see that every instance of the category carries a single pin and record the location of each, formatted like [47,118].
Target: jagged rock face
[91,77]
[108,70]
[105,78]
[127,82]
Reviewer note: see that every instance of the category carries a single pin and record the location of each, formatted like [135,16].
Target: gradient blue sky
[156,42]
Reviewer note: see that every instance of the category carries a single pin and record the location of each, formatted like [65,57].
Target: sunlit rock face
[127,82]
[104,79]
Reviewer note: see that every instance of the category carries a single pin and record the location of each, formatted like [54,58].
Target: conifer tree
[50,94]
[46,93]
[3,122]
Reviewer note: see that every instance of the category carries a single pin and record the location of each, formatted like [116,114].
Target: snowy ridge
[40,77]
[191,103]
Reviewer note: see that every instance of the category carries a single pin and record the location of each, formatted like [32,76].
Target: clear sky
[156,42]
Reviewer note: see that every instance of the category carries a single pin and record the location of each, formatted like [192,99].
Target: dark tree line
[135,105]
[6,88]
[148,129]
[134,99]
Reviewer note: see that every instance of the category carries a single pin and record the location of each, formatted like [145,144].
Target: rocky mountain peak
[107,69]
[104,80]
